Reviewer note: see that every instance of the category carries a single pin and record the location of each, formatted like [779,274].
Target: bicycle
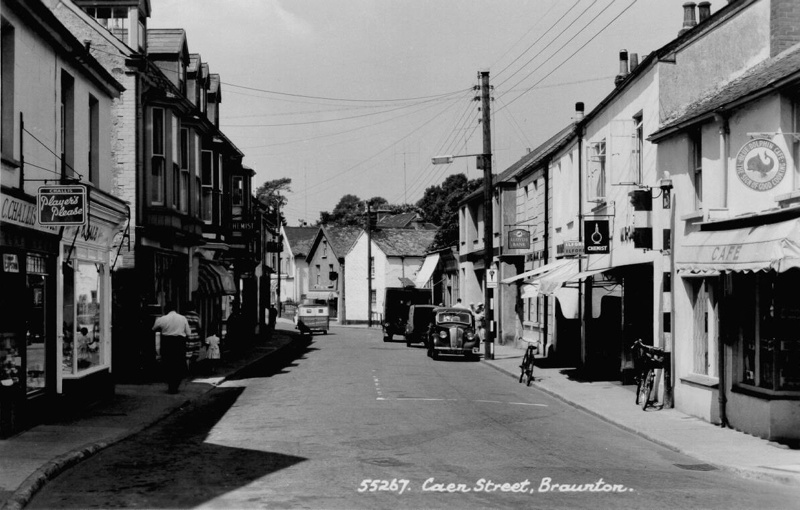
[526,368]
[649,359]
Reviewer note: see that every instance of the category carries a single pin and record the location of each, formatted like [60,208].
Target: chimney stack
[703,11]
[634,61]
[578,111]
[623,67]
[689,19]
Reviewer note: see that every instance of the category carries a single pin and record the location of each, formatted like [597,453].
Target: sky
[356,96]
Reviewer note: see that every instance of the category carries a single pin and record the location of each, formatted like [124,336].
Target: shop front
[84,363]
[28,303]
[742,324]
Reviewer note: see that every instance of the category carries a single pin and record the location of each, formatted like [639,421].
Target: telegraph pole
[278,266]
[369,265]
[488,222]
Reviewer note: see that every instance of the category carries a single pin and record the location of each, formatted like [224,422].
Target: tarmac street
[346,420]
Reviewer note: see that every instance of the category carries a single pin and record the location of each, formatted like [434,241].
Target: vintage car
[312,317]
[420,319]
[453,332]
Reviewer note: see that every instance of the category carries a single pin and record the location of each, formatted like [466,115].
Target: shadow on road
[279,361]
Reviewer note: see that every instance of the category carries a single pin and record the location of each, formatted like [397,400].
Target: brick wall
[784,29]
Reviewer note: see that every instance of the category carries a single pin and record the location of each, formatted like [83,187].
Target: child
[213,354]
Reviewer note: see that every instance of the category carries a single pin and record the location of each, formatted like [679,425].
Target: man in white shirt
[174,329]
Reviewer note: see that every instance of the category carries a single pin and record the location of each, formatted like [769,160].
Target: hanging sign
[595,235]
[519,239]
[62,205]
[761,164]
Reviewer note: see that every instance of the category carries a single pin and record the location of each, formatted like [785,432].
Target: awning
[540,270]
[774,246]
[214,279]
[551,281]
[426,271]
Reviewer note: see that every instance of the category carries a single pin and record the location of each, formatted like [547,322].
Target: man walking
[174,329]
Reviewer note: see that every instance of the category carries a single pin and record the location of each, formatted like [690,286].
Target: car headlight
[469,334]
[442,334]
[385,324]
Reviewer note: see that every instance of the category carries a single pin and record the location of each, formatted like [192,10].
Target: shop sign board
[761,164]
[519,239]
[570,248]
[491,277]
[62,205]
[595,233]
[22,213]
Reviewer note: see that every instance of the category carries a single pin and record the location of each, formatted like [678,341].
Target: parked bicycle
[647,359]
[526,368]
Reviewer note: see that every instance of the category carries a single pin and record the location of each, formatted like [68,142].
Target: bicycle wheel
[647,388]
[529,370]
[523,365]
[639,384]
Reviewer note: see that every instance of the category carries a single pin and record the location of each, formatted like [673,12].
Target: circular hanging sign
[760,164]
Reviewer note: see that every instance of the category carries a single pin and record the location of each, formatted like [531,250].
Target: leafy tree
[271,194]
[439,205]
[349,211]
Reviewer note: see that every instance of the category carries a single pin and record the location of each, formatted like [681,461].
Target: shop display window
[82,347]
[770,349]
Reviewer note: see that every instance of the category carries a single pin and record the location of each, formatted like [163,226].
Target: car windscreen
[458,317]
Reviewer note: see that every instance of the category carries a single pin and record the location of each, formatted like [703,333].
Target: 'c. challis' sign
[62,205]
[760,164]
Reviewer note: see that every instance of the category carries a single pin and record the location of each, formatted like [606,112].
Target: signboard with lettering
[62,205]
[570,248]
[22,213]
[491,277]
[760,164]
[595,234]
[519,239]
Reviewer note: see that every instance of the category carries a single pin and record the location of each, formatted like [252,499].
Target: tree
[271,194]
[439,205]
[349,211]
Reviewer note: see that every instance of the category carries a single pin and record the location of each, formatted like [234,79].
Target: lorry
[396,302]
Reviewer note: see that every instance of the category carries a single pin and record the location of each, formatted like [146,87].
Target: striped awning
[214,279]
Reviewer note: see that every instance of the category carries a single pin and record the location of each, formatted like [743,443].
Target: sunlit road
[348,409]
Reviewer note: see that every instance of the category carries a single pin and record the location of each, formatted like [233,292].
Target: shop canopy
[426,271]
[774,246]
[565,270]
[214,279]
[547,268]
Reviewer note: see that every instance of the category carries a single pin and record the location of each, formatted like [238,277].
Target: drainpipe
[724,149]
[581,316]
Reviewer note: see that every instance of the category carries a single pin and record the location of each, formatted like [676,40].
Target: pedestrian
[213,352]
[459,304]
[273,317]
[174,329]
[194,340]
[480,321]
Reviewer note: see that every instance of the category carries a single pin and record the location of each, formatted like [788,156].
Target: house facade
[60,227]
[297,245]
[396,256]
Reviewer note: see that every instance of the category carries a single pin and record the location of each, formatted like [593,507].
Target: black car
[420,319]
[453,332]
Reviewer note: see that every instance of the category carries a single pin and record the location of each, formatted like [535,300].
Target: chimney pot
[703,11]
[634,61]
[579,111]
[623,67]
[689,19]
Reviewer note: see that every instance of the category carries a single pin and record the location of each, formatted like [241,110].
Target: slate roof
[300,239]
[403,242]
[341,239]
[194,63]
[761,78]
[166,41]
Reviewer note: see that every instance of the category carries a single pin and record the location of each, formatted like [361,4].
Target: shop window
[7,88]
[36,269]
[94,141]
[82,346]
[207,176]
[770,350]
[184,163]
[700,327]
[696,167]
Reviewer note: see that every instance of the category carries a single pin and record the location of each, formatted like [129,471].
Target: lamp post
[484,161]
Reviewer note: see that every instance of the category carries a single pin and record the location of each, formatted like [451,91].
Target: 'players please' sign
[62,205]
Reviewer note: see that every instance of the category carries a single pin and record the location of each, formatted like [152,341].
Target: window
[319,271]
[324,249]
[597,172]
[83,346]
[94,141]
[700,326]
[184,163]
[373,297]
[238,190]
[158,160]
[198,182]
[207,173]
[696,167]
[7,88]
[372,267]
[638,147]
[67,126]
[218,211]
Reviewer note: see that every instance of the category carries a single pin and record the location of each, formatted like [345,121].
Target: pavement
[35,456]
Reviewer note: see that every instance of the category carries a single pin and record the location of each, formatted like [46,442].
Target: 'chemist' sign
[62,205]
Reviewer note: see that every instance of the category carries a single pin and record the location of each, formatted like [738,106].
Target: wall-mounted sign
[21,213]
[760,164]
[62,205]
[570,248]
[491,277]
[595,235]
[10,263]
[519,239]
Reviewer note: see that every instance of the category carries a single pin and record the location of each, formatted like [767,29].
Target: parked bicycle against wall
[526,368]
[646,359]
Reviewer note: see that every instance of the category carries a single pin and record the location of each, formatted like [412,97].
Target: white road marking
[463,400]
